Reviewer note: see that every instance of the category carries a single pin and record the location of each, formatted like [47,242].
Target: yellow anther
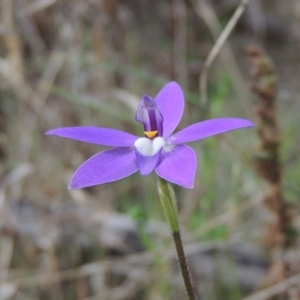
[151,134]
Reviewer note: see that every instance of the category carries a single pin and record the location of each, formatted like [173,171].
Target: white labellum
[149,147]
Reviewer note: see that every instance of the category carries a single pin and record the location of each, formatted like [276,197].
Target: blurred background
[76,63]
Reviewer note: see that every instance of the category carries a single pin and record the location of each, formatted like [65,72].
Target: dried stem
[280,233]
[204,11]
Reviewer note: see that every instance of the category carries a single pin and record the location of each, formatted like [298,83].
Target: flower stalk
[168,202]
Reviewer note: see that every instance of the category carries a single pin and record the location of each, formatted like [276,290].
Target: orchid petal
[170,102]
[179,166]
[96,135]
[147,164]
[208,128]
[106,166]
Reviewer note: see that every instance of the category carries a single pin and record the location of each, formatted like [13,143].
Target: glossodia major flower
[160,149]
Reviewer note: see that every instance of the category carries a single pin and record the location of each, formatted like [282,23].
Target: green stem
[183,265]
[168,202]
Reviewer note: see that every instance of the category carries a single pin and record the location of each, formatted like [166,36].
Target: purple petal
[208,128]
[179,166]
[96,135]
[147,164]
[170,102]
[106,166]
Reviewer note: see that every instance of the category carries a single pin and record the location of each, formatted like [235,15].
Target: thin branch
[223,37]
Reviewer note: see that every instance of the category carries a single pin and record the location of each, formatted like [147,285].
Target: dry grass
[72,62]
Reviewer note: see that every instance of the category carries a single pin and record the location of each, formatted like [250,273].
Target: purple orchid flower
[158,150]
